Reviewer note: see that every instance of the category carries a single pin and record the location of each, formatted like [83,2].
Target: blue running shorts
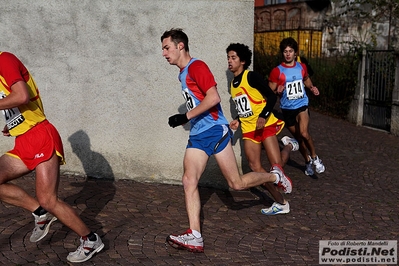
[211,141]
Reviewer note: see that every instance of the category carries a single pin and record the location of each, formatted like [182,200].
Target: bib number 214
[295,89]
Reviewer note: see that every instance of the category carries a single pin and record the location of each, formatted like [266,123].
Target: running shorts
[258,136]
[38,145]
[290,115]
[211,141]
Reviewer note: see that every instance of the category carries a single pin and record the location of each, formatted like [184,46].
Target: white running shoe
[284,181]
[287,140]
[277,208]
[86,250]
[186,241]
[42,226]
[308,167]
[320,168]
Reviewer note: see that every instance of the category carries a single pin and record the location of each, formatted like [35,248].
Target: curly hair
[288,42]
[242,51]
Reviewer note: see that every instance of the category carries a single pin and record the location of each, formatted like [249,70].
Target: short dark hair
[177,35]
[242,51]
[288,42]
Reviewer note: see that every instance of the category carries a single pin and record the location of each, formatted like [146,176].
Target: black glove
[177,120]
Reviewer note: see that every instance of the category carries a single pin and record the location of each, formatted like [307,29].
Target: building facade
[321,27]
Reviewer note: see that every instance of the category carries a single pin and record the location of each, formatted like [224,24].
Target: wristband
[264,114]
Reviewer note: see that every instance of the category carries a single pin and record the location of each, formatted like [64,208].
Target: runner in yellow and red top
[38,147]
[22,118]
[254,103]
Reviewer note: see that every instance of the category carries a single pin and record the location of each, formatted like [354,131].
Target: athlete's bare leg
[253,153]
[47,181]
[303,121]
[12,168]
[228,165]
[194,165]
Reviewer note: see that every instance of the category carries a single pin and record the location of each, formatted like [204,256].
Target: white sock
[196,233]
[277,179]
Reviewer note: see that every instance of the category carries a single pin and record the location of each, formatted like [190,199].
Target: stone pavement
[355,199]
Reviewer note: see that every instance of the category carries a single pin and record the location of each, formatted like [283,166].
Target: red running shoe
[186,241]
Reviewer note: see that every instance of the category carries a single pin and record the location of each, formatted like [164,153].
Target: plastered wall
[106,86]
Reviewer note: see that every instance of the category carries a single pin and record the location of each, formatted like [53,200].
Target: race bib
[190,103]
[13,116]
[243,106]
[295,89]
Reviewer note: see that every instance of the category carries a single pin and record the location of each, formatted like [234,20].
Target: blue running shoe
[309,167]
[276,208]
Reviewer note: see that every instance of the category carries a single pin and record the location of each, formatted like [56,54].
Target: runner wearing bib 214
[294,95]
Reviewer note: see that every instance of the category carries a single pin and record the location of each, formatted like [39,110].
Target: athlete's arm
[19,95]
[256,81]
[308,83]
[273,86]
[274,81]
[203,77]
[6,132]
[211,99]
[234,124]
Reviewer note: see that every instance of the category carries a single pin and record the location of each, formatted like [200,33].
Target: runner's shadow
[233,200]
[97,188]
[212,179]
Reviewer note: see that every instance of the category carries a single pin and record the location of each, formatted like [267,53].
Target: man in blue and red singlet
[209,135]
[289,80]
[38,147]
